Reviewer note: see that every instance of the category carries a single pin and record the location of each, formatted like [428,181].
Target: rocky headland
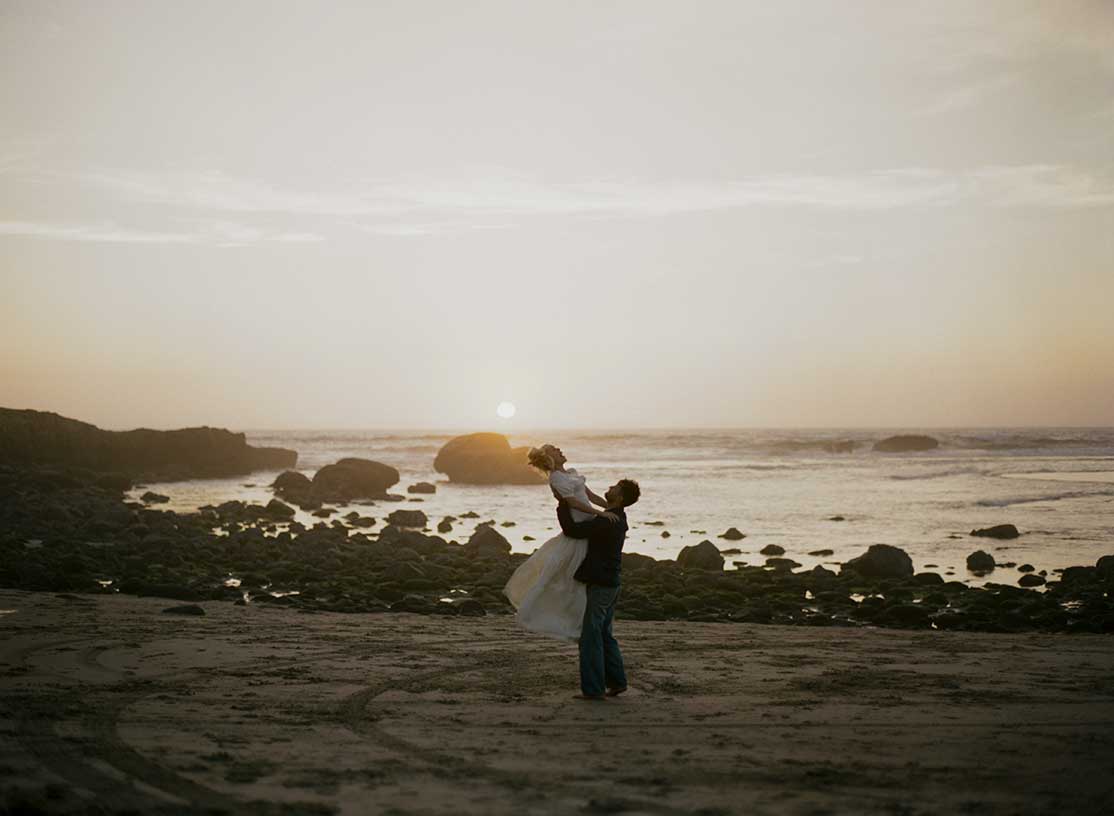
[38,438]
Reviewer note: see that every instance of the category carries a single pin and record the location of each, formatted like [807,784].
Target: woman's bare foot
[591,697]
[615,691]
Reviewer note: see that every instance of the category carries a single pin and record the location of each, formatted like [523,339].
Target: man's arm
[576,529]
[583,506]
[597,500]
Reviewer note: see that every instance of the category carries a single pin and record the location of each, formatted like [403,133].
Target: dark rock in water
[1078,575]
[702,556]
[1030,580]
[928,578]
[292,484]
[882,561]
[837,518]
[422,487]
[324,512]
[487,542]
[471,514]
[1026,568]
[185,609]
[445,526]
[665,534]
[363,522]
[733,534]
[527,538]
[278,510]
[408,518]
[354,478]
[821,553]
[1105,566]
[781,563]
[1003,531]
[980,561]
[906,443]
[772,549]
[485,459]
[731,551]
[150,497]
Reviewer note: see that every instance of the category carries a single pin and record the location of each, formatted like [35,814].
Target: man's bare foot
[591,697]
[615,691]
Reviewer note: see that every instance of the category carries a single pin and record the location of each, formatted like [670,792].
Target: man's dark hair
[631,491]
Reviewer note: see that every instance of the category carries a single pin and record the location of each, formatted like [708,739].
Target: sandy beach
[110,705]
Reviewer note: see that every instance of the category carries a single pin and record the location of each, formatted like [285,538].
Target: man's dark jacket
[603,563]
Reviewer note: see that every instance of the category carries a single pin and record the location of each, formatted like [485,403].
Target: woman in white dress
[547,598]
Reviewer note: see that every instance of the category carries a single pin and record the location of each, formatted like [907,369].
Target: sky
[611,214]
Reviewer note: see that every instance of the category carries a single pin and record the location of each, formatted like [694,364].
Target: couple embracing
[569,586]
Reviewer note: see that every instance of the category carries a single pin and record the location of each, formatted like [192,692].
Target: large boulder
[906,443]
[35,438]
[487,542]
[882,561]
[485,459]
[278,510]
[291,483]
[354,479]
[1003,531]
[980,561]
[408,518]
[704,556]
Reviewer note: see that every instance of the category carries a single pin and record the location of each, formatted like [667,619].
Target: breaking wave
[1051,497]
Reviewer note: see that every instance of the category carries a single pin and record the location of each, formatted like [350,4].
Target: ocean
[778,487]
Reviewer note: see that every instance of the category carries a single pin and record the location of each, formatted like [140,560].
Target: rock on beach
[1001,531]
[485,459]
[882,561]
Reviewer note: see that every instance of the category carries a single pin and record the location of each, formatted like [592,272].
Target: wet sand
[108,704]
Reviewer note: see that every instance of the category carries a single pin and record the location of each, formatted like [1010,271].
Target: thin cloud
[499,198]
[492,195]
[218,235]
[966,96]
[92,233]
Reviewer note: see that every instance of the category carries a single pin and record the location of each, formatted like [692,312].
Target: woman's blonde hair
[541,459]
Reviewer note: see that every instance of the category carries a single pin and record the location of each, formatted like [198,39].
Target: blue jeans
[601,662]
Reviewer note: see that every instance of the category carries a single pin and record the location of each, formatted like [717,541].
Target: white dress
[547,598]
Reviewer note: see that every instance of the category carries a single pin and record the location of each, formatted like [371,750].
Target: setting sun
[505,410]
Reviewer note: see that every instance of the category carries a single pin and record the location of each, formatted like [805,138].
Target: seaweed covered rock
[703,556]
[408,518]
[487,542]
[882,561]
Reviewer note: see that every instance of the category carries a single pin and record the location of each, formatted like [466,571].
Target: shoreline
[61,534]
[266,710]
